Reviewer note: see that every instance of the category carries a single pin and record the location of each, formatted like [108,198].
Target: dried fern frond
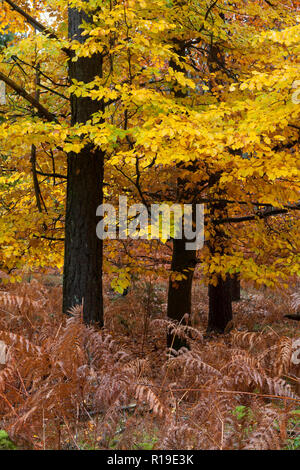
[144,393]
[265,436]
[20,343]
[284,355]
[13,301]
[295,301]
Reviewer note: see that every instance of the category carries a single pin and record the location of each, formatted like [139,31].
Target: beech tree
[83,257]
[117,108]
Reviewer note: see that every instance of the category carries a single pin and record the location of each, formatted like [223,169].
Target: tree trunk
[83,250]
[180,292]
[220,308]
[183,261]
[235,288]
[220,302]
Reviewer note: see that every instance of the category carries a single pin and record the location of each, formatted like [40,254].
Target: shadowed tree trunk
[183,261]
[83,250]
[235,287]
[220,300]
[220,307]
[179,295]
[180,292]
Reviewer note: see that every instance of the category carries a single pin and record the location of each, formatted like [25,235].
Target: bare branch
[51,175]
[261,215]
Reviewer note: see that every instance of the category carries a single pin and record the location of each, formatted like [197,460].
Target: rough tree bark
[83,250]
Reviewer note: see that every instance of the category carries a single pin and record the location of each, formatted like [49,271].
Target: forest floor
[67,386]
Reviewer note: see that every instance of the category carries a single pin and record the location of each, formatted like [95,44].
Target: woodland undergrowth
[68,386]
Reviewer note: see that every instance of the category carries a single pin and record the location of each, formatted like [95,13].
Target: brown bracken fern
[65,383]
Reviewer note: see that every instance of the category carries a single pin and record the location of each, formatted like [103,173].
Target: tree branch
[35,103]
[32,21]
[36,24]
[51,175]
[52,239]
[249,218]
